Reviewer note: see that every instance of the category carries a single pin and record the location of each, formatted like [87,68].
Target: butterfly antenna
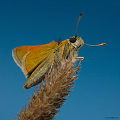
[96,45]
[78,22]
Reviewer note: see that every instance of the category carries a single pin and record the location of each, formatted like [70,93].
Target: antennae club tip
[80,14]
[103,43]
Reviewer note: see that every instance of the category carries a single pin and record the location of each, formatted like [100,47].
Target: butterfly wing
[28,58]
[36,61]
[19,52]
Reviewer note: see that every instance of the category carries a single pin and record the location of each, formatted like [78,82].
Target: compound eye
[72,40]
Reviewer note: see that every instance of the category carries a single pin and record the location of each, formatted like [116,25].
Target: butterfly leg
[80,58]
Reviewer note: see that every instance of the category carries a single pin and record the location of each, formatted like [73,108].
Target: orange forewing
[19,52]
[36,57]
[29,57]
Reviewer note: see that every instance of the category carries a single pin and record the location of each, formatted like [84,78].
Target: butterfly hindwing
[39,73]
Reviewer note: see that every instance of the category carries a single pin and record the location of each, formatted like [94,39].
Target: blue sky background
[96,94]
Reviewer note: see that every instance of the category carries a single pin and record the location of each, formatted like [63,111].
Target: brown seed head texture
[52,93]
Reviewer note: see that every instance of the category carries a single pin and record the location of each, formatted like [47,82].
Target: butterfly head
[76,42]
